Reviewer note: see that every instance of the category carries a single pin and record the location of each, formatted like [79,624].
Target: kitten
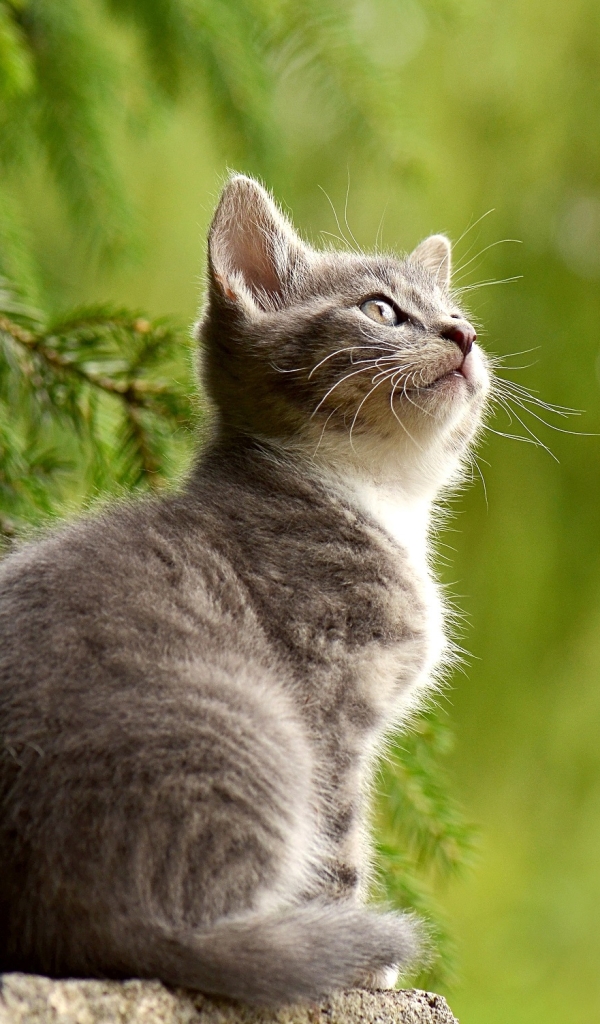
[194,688]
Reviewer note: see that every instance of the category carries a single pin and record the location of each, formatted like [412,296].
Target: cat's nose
[462,334]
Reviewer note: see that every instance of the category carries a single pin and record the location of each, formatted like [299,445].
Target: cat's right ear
[435,253]
[254,254]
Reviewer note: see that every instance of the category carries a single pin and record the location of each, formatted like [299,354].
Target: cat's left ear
[254,252]
[435,253]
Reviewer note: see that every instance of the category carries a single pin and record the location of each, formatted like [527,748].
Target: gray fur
[193,689]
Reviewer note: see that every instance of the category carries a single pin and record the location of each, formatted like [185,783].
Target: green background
[489,106]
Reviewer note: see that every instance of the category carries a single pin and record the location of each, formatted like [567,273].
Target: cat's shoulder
[103,543]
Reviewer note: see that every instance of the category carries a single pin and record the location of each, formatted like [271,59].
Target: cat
[194,688]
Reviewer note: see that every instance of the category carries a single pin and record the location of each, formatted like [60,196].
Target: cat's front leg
[349,875]
[347,868]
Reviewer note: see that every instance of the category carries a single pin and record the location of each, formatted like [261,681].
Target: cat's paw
[385,977]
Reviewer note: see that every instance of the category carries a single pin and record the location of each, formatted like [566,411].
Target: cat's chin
[454,390]
[467,377]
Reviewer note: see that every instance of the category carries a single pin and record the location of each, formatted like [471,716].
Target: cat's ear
[254,252]
[435,253]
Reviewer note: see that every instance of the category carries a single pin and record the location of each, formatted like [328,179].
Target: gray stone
[29,999]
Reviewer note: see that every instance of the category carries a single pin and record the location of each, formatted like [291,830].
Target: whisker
[387,369]
[350,232]
[280,369]
[552,426]
[474,225]
[500,402]
[511,355]
[380,228]
[512,437]
[339,226]
[368,395]
[332,234]
[415,404]
[534,436]
[518,392]
[501,241]
[347,348]
[503,366]
[332,413]
[475,462]
[398,420]
[443,267]
[337,384]
[524,402]
[486,284]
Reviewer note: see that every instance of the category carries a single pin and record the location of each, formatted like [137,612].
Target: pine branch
[95,374]
[423,838]
[133,391]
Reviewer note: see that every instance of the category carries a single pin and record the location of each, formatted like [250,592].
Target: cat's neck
[405,518]
[397,493]
[394,482]
[400,503]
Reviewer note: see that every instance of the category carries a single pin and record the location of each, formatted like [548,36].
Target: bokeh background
[405,117]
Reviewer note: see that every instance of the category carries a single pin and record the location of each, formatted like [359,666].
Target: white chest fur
[407,521]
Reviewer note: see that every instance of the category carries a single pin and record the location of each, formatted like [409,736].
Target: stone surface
[28,999]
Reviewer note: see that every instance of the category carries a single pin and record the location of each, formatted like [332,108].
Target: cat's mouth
[445,378]
[463,373]
[468,372]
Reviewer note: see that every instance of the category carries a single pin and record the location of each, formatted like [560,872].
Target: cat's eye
[382,312]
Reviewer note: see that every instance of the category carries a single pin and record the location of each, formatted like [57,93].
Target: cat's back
[143,582]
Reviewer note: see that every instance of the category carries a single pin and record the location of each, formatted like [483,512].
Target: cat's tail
[301,954]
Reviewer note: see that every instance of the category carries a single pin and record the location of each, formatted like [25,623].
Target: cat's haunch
[194,689]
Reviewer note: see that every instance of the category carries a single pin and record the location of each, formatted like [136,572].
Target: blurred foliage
[62,92]
[410,116]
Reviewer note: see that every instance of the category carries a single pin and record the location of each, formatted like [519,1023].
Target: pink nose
[463,335]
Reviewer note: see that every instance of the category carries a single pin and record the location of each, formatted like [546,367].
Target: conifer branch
[95,374]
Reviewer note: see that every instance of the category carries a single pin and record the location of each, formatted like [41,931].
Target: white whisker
[346,214]
[350,348]
[531,433]
[486,284]
[386,376]
[355,250]
[540,419]
[501,241]
[511,355]
[337,384]
[322,434]
[398,420]
[474,225]
[280,369]
[521,394]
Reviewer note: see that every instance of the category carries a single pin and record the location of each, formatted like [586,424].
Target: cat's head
[358,360]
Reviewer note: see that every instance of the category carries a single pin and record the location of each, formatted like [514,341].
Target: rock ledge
[29,999]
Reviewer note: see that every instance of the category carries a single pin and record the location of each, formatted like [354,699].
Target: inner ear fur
[435,253]
[254,251]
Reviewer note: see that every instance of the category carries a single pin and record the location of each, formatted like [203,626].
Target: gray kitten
[194,689]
